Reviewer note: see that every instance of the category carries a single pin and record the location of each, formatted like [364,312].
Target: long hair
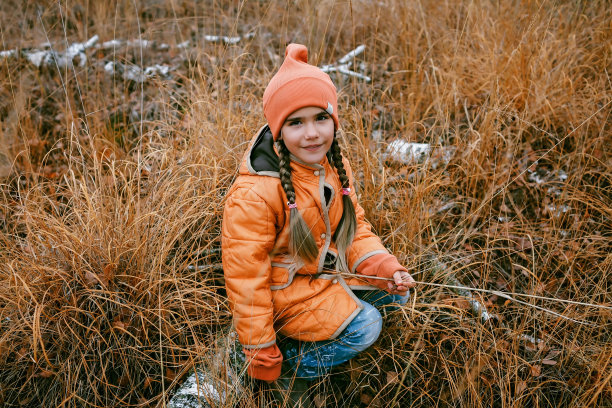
[301,241]
[345,232]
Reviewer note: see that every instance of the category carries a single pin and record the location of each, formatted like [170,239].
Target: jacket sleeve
[366,243]
[382,266]
[248,236]
[264,363]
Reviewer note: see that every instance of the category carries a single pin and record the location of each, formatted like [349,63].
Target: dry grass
[112,189]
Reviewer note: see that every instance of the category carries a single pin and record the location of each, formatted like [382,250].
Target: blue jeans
[314,359]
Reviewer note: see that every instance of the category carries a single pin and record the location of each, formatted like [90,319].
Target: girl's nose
[311,130]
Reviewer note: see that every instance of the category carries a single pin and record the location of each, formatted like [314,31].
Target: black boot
[290,391]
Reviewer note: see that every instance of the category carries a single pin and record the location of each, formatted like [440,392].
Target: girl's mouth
[312,147]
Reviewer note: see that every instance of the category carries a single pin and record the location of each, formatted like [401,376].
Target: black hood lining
[263,157]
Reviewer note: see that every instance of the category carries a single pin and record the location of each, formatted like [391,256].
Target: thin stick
[506,295]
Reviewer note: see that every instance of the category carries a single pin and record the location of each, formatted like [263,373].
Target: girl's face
[308,133]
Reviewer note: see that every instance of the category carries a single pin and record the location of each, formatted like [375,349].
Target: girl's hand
[403,282]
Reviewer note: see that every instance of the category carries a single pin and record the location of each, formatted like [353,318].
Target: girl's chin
[311,158]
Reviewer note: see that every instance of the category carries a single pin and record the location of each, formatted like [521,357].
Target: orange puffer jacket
[268,292]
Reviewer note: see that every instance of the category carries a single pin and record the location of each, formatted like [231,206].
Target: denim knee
[314,359]
[364,329]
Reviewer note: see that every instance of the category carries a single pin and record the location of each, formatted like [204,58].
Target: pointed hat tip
[297,52]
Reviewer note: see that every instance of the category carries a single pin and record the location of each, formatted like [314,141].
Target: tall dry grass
[113,188]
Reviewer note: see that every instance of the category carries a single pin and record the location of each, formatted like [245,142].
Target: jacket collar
[261,157]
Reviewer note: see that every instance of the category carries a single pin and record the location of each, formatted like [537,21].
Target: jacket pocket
[282,275]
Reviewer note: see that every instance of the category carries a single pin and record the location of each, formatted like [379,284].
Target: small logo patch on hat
[330,108]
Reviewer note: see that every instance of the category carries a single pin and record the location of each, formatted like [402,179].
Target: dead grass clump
[98,298]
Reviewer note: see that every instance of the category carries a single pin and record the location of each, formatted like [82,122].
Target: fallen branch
[344,64]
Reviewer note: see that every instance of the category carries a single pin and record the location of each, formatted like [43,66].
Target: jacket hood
[261,156]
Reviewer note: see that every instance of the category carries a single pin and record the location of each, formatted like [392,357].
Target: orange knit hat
[296,85]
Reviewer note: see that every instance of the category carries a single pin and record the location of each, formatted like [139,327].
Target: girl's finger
[409,282]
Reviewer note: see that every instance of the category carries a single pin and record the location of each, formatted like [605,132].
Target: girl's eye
[294,123]
[322,117]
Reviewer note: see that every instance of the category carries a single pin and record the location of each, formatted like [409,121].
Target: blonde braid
[301,241]
[345,232]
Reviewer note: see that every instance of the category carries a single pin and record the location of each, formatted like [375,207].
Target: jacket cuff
[264,363]
[382,266]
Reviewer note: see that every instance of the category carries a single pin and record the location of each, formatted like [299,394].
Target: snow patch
[407,152]
[225,39]
[64,59]
[8,53]
[135,73]
[112,44]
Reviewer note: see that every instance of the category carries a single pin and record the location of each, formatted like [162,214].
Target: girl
[291,225]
